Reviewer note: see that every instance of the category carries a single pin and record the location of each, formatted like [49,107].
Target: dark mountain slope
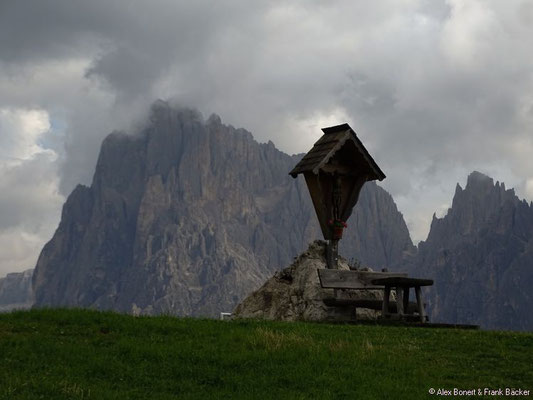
[189,217]
[481,257]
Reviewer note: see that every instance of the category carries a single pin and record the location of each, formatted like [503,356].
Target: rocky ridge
[192,215]
[189,217]
[481,257]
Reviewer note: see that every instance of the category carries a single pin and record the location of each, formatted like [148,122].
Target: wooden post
[406,300]
[385,306]
[332,254]
[420,303]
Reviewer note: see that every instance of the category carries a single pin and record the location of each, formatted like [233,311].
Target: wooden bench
[365,280]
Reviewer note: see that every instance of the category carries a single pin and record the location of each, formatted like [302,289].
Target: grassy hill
[77,354]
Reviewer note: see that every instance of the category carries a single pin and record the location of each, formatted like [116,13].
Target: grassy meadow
[80,354]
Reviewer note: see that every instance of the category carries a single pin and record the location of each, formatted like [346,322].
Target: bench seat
[346,279]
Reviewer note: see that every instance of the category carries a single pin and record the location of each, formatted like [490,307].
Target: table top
[402,281]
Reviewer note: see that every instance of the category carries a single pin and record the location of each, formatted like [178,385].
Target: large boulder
[295,294]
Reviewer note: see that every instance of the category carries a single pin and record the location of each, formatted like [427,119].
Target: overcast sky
[434,89]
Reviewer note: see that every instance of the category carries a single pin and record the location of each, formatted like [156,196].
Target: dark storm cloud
[434,88]
[35,30]
[134,41]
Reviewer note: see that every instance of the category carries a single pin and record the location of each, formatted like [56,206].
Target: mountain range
[190,215]
[481,257]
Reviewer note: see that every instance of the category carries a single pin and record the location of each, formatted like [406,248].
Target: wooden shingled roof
[334,138]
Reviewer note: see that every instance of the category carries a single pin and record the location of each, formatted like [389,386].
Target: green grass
[77,354]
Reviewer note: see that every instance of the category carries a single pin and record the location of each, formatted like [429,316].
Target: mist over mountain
[481,257]
[189,217]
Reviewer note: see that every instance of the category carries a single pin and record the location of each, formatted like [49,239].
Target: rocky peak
[479,204]
[478,180]
[480,255]
[191,215]
[214,119]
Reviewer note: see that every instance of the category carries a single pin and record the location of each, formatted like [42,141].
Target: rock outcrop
[481,258]
[15,291]
[189,217]
[295,294]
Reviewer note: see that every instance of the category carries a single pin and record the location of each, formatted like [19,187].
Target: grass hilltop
[77,354]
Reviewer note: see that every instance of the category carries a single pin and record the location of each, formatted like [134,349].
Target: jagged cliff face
[16,291]
[191,216]
[377,234]
[481,258]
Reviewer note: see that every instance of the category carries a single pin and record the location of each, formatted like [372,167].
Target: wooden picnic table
[402,286]
[402,308]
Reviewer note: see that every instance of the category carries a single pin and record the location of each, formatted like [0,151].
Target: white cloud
[529,188]
[21,131]
[467,36]
[24,248]
[30,202]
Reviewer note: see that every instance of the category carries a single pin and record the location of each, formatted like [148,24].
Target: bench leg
[399,300]
[406,300]
[385,305]
[420,303]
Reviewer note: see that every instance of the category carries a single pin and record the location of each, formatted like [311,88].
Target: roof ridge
[328,145]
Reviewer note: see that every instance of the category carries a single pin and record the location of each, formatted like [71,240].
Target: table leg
[385,305]
[399,300]
[420,303]
[406,300]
